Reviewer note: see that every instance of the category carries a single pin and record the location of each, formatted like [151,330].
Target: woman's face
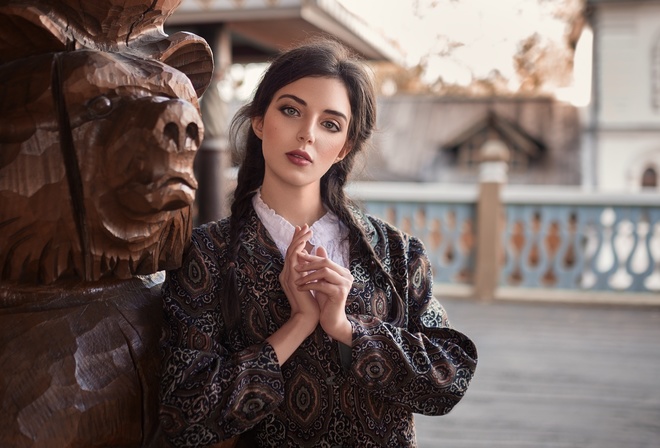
[303,132]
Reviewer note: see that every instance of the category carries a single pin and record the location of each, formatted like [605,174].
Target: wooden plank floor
[554,376]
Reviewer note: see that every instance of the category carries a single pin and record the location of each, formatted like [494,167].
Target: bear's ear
[187,53]
[27,31]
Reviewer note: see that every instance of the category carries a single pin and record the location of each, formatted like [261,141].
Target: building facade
[429,138]
[622,132]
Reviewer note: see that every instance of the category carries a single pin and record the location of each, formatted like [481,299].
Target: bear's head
[97,140]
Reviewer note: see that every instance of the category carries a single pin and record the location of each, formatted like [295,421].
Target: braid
[332,191]
[250,178]
[230,304]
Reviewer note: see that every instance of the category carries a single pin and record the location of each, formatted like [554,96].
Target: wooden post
[493,174]
[213,157]
[99,127]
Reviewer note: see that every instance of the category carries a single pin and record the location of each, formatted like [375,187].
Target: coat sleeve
[425,365]
[207,392]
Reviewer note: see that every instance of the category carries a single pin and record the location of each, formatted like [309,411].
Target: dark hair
[318,58]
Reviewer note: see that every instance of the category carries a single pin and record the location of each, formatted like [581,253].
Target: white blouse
[328,232]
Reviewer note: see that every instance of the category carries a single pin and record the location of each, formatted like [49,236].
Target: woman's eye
[331,125]
[100,106]
[290,111]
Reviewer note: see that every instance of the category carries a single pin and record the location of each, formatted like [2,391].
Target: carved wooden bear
[100,124]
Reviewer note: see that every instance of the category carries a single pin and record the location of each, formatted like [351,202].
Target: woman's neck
[298,206]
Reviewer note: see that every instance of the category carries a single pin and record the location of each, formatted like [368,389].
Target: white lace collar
[328,231]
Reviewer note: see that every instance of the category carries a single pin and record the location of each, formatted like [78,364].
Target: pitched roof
[509,132]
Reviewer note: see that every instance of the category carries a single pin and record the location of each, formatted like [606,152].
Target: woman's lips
[300,158]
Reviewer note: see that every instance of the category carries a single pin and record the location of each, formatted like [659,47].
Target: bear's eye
[100,106]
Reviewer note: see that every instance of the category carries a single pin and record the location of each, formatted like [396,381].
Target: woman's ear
[258,126]
[348,146]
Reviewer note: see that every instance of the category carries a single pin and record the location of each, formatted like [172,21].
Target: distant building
[437,139]
[622,135]
[611,145]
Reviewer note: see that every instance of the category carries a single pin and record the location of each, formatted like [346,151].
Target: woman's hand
[302,302]
[304,308]
[331,284]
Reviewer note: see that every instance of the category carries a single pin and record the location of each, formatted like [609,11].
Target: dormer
[464,148]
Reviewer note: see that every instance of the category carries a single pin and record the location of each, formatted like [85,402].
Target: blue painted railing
[582,241]
[559,239]
[445,229]
[442,218]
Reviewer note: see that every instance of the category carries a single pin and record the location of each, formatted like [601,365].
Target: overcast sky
[485,33]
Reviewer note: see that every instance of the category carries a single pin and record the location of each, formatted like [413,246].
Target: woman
[299,317]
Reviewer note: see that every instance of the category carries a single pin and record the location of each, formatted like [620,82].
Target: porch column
[494,156]
[213,157]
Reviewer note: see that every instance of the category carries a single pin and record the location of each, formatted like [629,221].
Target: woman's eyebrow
[294,98]
[304,103]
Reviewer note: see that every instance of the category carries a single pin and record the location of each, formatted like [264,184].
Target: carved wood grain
[100,126]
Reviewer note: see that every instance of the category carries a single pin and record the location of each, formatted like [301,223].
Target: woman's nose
[306,134]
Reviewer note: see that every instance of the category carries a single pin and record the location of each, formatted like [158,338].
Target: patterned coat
[326,394]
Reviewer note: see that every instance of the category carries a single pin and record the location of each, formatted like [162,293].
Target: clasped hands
[316,287]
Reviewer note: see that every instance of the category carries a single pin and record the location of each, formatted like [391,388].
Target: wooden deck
[555,376]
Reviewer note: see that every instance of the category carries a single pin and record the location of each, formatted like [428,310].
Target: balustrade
[557,240]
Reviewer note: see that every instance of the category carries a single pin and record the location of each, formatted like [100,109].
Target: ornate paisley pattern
[212,388]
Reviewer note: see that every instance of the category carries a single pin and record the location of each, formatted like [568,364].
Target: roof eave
[322,16]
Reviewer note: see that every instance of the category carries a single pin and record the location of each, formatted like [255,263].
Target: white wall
[628,124]
[624,157]
[625,43]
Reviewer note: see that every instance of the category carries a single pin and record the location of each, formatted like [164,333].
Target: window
[650,178]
